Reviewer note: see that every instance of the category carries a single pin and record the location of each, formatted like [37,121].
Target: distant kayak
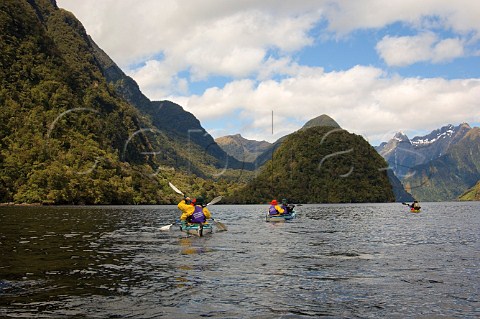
[197,229]
[280,217]
[413,210]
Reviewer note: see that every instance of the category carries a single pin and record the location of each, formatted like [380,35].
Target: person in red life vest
[194,211]
[274,208]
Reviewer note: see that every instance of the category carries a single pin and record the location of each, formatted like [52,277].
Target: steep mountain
[318,165]
[241,148]
[450,175]
[168,117]
[66,135]
[439,141]
[472,193]
[402,153]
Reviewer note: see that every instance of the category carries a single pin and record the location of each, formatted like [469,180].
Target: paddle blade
[175,189]
[220,225]
[215,200]
[166,227]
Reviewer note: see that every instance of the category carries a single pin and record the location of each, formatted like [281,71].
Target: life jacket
[198,216]
[272,210]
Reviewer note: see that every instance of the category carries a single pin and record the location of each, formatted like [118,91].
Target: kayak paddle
[166,227]
[176,189]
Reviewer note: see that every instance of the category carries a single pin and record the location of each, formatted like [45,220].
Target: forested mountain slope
[321,165]
[66,136]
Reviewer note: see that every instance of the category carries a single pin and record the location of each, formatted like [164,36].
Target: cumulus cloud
[461,16]
[362,99]
[167,45]
[406,50]
[195,30]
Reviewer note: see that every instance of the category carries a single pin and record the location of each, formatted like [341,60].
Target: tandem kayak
[197,229]
[280,217]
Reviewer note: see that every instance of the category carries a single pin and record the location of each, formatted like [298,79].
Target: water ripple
[334,261]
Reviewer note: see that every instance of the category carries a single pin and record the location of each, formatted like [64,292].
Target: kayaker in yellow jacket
[193,211]
[275,209]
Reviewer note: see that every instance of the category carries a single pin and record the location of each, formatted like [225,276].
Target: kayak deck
[280,217]
[197,229]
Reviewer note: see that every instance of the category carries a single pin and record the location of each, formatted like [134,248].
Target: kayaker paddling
[275,209]
[280,213]
[195,214]
[193,211]
[288,208]
[415,205]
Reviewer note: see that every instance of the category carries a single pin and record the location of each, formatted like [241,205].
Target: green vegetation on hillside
[321,165]
[472,194]
[66,136]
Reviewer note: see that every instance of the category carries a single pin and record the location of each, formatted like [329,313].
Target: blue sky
[376,67]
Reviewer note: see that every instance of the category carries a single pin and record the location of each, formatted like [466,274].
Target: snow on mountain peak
[401,137]
[445,132]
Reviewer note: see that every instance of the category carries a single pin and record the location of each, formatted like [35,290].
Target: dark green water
[336,261]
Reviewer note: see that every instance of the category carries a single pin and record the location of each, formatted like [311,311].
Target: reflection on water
[367,260]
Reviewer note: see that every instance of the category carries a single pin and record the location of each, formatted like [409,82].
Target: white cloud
[447,50]
[461,15]
[361,99]
[406,50]
[195,31]
[254,42]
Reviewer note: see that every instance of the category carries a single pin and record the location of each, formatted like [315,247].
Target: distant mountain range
[402,154]
[436,167]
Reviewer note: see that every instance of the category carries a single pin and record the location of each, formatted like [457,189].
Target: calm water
[338,261]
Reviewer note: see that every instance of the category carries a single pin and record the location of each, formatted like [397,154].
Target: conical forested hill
[321,165]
